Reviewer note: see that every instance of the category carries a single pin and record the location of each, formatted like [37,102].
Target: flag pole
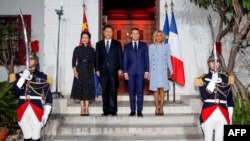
[83,21]
[84,8]
[172,9]
[174,92]
[166,10]
[59,12]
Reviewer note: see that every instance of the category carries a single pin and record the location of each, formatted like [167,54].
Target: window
[12,43]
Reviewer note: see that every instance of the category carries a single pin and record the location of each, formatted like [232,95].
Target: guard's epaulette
[49,80]
[12,77]
[231,79]
[198,81]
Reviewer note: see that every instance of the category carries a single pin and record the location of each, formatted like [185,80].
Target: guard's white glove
[47,109]
[26,75]
[213,81]
[230,112]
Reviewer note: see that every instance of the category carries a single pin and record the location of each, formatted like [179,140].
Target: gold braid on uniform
[26,89]
[224,93]
[36,91]
[39,82]
[28,86]
[229,83]
[46,84]
[223,86]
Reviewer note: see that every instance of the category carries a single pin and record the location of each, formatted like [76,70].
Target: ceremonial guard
[217,110]
[35,99]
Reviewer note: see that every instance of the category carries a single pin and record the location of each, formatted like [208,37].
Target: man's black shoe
[139,114]
[131,114]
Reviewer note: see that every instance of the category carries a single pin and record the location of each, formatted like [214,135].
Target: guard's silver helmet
[33,55]
[211,59]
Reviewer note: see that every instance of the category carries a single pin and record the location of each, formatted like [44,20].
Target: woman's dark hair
[107,26]
[87,33]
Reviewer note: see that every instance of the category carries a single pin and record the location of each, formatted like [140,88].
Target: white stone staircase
[180,122]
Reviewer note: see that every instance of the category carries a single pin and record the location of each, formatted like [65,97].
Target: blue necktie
[107,47]
[135,47]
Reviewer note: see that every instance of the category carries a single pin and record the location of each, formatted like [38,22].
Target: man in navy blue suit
[136,68]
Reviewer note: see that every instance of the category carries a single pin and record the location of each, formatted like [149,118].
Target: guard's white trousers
[216,122]
[30,125]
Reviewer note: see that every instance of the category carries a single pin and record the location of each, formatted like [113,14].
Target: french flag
[176,57]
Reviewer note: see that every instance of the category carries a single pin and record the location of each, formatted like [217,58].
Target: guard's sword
[21,81]
[25,38]
[213,42]
[211,86]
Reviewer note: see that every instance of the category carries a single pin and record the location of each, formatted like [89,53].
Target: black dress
[84,60]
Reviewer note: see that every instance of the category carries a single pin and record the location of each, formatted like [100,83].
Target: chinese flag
[84,26]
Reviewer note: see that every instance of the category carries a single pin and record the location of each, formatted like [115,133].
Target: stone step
[70,103]
[125,97]
[186,104]
[148,118]
[128,130]
[198,137]
[180,122]
[124,108]
[58,121]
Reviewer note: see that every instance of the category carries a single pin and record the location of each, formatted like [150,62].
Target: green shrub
[241,114]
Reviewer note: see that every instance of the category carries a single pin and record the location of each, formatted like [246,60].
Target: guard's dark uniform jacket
[30,93]
[222,92]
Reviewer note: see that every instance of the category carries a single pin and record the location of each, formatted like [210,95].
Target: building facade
[193,29]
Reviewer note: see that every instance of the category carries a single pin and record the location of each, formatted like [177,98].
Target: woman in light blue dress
[160,69]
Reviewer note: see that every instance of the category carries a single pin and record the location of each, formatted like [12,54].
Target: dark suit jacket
[113,58]
[136,63]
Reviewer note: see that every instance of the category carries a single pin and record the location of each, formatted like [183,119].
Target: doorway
[124,15]
[127,14]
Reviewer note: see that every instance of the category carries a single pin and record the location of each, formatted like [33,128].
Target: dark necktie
[135,47]
[107,46]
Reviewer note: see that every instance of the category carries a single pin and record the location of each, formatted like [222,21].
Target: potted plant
[4,132]
[8,104]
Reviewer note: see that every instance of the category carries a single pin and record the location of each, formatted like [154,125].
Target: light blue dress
[159,64]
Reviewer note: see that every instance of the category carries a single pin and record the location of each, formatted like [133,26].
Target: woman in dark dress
[83,64]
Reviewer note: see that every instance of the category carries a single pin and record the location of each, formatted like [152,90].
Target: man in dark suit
[136,68]
[108,68]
